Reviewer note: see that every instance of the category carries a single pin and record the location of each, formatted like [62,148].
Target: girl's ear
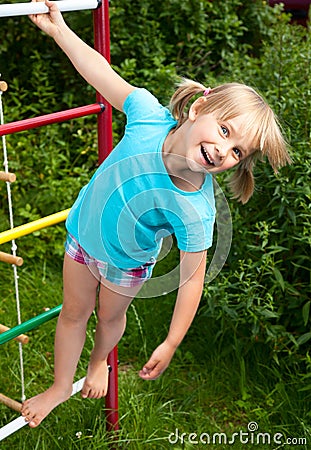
[195,108]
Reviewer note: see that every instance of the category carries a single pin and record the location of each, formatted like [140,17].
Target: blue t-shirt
[131,203]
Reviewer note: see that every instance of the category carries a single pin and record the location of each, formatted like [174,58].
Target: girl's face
[215,145]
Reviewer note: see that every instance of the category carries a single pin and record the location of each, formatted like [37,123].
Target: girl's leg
[112,309]
[80,291]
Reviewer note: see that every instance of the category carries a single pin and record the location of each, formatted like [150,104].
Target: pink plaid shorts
[125,278]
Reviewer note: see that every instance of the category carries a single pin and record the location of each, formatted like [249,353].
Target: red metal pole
[112,401]
[61,116]
[102,45]
[104,130]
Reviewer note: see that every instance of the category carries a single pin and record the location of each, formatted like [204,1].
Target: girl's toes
[34,423]
[85,393]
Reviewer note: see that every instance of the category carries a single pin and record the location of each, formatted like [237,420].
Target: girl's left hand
[158,362]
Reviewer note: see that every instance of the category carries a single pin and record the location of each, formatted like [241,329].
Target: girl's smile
[206,144]
[216,145]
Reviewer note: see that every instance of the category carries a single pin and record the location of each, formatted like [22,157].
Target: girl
[157,181]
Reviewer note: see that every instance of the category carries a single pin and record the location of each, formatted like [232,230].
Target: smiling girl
[157,181]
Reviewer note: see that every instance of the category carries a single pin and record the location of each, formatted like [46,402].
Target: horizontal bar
[20,422]
[61,116]
[11,259]
[30,324]
[22,338]
[3,86]
[13,404]
[24,9]
[7,176]
[11,427]
[36,225]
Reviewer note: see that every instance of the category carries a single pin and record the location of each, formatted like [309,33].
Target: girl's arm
[93,67]
[192,272]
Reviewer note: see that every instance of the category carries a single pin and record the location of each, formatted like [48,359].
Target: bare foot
[37,408]
[96,383]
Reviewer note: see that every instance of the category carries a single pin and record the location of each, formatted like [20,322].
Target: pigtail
[273,144]
[185,91]
[242,183]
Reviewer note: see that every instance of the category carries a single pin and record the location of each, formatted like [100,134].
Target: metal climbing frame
[104,132]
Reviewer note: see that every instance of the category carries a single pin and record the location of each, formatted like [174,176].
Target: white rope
[20,422]
[14,248]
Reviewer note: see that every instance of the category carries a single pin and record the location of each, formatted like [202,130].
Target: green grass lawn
[208,389]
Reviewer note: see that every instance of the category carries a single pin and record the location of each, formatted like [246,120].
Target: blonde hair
[228,101]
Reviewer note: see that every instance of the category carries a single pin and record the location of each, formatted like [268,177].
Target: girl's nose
[222,151]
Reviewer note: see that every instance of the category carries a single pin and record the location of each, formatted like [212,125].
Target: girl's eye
[224,130]
[237,152]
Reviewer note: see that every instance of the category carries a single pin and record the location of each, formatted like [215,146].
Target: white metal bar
[20,422]
[24,9]
[11,427]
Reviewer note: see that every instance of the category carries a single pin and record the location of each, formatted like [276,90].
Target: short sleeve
[192,219]
[140,105]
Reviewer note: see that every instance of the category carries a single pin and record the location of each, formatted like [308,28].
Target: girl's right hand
[50,22]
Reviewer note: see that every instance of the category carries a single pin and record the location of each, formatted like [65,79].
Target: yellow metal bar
[36,225]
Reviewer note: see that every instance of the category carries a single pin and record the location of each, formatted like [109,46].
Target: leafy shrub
[263,294]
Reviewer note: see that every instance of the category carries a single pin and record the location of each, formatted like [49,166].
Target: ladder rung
[7,176]
[24,9]
[30,324]
[36,225]
[22,338]
[48,119]
[11,259]
[13,404]
[3,86]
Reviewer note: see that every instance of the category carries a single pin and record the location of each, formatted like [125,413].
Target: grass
[209,387]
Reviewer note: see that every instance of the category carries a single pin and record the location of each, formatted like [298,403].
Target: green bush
[263,293]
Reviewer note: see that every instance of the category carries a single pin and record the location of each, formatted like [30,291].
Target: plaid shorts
[125,278]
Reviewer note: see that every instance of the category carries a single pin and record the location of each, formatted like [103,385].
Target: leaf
[306,388]
[269,314]
[279,278]
[304,338]
[306,312]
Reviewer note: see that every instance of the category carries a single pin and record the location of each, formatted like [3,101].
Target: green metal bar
[30,324]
